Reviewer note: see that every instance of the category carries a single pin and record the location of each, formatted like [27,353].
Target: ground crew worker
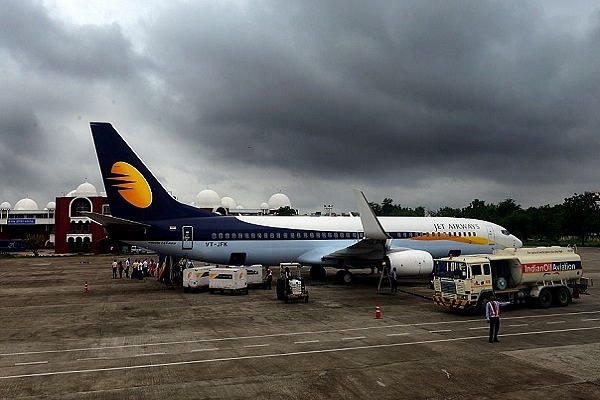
[114,269]
[394,276]
[269,279]
[492,314]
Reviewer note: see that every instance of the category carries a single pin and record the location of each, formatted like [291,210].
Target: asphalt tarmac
[135,339]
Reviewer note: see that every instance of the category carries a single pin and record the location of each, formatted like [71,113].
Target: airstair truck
[545,276]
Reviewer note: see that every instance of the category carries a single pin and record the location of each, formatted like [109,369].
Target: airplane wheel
[318,272]
[347,277]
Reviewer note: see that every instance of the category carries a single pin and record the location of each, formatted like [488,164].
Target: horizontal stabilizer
[109,221]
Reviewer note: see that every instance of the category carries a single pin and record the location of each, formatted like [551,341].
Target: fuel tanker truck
[546,276]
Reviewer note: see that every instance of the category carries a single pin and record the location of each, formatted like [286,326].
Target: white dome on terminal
[26,205]
[5,206]
[207,199]
[51,206]
[228,202]
[86,189]
[279,200]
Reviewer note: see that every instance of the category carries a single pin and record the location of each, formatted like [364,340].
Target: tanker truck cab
[544,276]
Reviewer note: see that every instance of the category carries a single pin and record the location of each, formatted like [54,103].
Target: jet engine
[409,262]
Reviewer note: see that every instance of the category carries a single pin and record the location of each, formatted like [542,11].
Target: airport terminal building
[61,223]
[65,228]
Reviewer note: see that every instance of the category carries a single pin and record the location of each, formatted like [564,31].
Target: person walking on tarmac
[269,279]
[114,269]
[393,277]
[492,314]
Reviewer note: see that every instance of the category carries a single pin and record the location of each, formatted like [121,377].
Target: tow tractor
[290,284]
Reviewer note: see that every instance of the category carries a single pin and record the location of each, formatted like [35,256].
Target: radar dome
[26,205]
[279,200]
[207,199]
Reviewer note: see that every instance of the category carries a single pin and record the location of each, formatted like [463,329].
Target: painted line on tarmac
[354,338]
[31,363]
[257,345]
[307,341]
[284,334]
[517,325]
[149,355]
[275,355]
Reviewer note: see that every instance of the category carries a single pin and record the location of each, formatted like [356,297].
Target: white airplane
[144,214]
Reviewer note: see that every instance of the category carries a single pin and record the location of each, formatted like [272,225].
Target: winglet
[370,223]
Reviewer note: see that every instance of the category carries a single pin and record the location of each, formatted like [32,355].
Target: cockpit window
[505,232]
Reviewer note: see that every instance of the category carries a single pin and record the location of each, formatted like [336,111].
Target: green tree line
[577,217]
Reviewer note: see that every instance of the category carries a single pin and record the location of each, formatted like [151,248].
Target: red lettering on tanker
[551,267]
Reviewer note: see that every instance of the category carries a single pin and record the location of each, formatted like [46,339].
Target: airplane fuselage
[270,240]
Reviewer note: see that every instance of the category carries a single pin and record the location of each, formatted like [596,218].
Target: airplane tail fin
[132,190]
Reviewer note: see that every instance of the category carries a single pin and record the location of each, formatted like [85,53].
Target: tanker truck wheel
[482,303]
[563,297]
[545,298]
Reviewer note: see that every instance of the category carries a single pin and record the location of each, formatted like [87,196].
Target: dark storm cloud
[44,44]
[425,88]
[487,99]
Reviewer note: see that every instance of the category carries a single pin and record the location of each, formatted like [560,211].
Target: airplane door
[187,237]
[490,235]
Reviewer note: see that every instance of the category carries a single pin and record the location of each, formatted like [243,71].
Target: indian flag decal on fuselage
[131,184]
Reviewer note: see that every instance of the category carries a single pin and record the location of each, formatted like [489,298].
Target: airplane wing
[371,226]
[371,248]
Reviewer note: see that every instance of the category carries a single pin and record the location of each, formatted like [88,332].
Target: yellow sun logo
[132,186]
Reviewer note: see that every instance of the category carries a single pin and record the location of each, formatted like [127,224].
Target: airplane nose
[518,242]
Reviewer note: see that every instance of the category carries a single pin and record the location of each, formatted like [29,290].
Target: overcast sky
[430,103]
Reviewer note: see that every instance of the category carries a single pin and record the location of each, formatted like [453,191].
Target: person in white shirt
[492,314]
